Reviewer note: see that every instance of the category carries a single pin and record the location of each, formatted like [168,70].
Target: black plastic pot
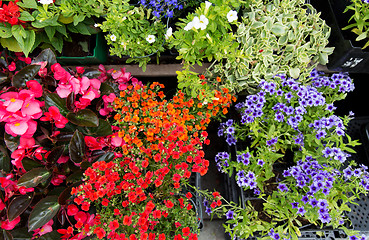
[347,56]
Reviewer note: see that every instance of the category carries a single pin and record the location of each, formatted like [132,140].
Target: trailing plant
[274,37]
[295,162]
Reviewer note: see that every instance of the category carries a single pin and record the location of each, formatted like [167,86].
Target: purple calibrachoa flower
[230,214]
[282,187]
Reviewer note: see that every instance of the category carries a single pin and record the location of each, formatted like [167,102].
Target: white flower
[189,26]
[203,22]
[113,37]
[168,33]
[150,38]
[97,25]
[232,15]
[207,6]
[46,1]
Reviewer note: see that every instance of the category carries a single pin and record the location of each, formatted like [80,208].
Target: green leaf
[25,74]
[66,194]
[50,236]
[46,55]
[43,212]
[18,205]
[84,118]
[77,147]
[50,32]
[28,4]
[104,129]
[26,16]
[62,29]
[5,235]
[17,32]
[294,72]
[53,99]
[57,43]
[29,41]
[11,44]
[29,164]
[78,18]
[278,29]
[55,154]
[5,164]
[34,177]
[21,234]
[106,157]
[5,32]
[361,36]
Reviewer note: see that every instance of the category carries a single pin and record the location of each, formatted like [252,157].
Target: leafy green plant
[133,31]
[47,24]
[274,37]
[360,16]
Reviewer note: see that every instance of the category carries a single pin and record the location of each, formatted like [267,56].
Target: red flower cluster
[139,194]
[10,13]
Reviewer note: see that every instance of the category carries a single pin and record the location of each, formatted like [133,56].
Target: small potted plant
[31,24]
[294,165]
[349,34]
[273,37]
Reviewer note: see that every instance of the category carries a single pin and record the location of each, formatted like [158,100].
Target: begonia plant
[55,123]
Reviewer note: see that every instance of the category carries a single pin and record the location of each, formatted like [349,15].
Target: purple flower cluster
[274,235]
[335,153]
[207,207]
[227,129]
[246,179]
[339,81]
[365,1]
[160,7]
[324,124]
[221,159]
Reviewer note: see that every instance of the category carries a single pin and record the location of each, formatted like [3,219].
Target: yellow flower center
[17,124]
[12,100]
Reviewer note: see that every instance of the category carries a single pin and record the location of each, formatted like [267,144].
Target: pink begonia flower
[54,116]
[91,94]
[2,205]
[82,103]
[85,83]
[58,179]
[21,126]
[60,73]
[6,225]
[80,70]
[63,159]
[35,87]
[32,108]
[12,67]
[44,229]
[103,76]
[20,152]
[23,190]
[38,153]
[63,90]
[116,141]
[95,83]
[107,100]
[43,70]
[12,101]
[93,144]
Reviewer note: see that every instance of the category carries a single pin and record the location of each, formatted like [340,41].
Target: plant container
[96,53]
[347,55]
[359,215]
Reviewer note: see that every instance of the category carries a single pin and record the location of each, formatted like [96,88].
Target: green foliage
[359,20]
[134,32]
[274,37]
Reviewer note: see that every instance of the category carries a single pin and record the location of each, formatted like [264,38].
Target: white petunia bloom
[231,16]
[113,37]
[46,2]
[207,5]
[203,22]
[96,25]
[189,26]
[196,22]
[168,33]
[150,38]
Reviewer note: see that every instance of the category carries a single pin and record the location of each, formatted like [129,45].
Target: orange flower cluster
[162,148]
